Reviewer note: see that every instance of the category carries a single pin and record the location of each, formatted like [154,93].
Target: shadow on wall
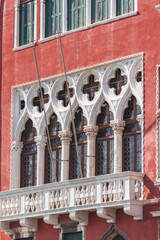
[153,190]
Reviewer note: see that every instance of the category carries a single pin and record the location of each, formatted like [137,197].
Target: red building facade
[112,63]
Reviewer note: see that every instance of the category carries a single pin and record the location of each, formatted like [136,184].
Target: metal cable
[73,125]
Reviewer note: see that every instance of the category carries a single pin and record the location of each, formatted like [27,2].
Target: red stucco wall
[106,42]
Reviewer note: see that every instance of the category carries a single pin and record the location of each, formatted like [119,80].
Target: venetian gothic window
[80,122]
[132,138]
[29,156]
[54,128]
[105,142]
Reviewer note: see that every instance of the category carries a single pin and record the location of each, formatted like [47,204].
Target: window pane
[124,6]
[102,157]
[139,153]
[76,13]
[111,156]
[53,17]
[128,149]
[100,10]
[73,236]
[26,31]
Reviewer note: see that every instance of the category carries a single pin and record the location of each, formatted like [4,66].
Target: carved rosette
[117,124]
[41,141]
[90,130]
[65,135]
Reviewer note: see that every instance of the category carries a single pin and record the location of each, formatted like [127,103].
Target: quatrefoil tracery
[118,81]
[91,88]
[62,95]
[37,100]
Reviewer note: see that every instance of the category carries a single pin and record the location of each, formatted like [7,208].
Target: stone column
[42,19]
[65,137]
[16,150]
[91,133]
[118,127]
[16,23]
[88,12]
[41,143]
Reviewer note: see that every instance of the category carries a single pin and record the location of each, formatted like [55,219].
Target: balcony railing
[121,190]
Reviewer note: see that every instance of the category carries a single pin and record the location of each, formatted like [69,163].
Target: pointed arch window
[54,128]
[105,142]
[29,156]
[132,159]
[80,122]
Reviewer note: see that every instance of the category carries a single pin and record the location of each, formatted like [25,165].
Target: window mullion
[113,9]
[88,12]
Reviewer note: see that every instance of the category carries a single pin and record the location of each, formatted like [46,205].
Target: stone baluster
[118,127]
[16,150]
[91,133]
[65,137]
[41,143]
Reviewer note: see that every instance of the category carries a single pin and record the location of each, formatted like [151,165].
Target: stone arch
[114,234]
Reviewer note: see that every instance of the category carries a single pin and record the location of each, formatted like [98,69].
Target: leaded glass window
[91,87]
[124,6]
[132,144]
[26,31]
[53,17]
[76,14]
[100,10]
[54,128]
[80,122]
[29,156]
[105,142]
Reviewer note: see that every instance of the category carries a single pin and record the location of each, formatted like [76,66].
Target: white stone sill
[75,182]
[157,183]
[28,45]
[158,7]
[90,26]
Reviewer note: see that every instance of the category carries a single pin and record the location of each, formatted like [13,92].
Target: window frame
[17,45]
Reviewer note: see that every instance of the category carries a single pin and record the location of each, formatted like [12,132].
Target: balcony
[103,194]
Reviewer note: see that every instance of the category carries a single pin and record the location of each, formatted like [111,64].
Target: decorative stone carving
[108,213]
[117,124]
[81,217]
[90,130]
[65,135]
[52,219]
[140,119]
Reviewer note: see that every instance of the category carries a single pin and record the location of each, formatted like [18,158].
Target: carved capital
[41,141]
[28,222]
[90,130]
[16,146]
[108,213]
[117,124]
[65,135]
[81,217]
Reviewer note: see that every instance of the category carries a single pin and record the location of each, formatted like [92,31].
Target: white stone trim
[158,7]
[17,23]
[157,126]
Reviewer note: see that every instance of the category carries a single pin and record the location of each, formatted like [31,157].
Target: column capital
[41,141]
[16,146]
[140,119]
[117,124]
[90,130]
[17,4]
[65,135]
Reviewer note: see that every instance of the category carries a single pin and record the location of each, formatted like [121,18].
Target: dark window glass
[53,17]
[100,10]
[50,167]
[132,138]
[76,14]
[80,122]
[124,6]
[29,156]
[91,88]
[105,142]
[26,31]
[118,81]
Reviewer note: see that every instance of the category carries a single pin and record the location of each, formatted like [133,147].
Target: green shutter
[26,31]
[76,14]
[53,20]
[100,10]
[73,236]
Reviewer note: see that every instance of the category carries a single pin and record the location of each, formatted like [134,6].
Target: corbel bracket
[135,210]
[5,226]
[107,213]
[52,220]
[30,223]
[81,217]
